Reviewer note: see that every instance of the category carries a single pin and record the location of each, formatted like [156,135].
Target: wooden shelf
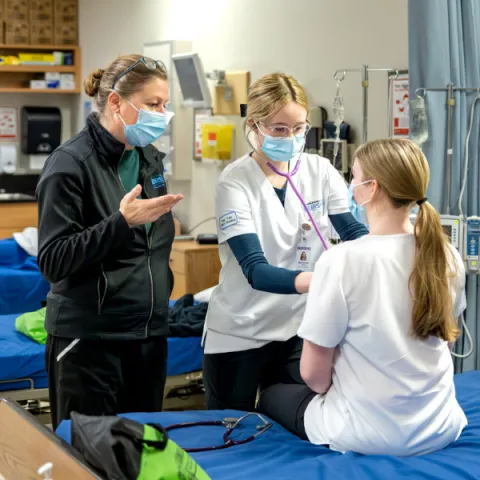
[37,68]
[39,47]
[37,90]
[16,78]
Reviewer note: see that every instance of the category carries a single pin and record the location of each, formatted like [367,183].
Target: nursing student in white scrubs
[381,316]
[268,247]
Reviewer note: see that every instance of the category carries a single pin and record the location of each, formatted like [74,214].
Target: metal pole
[450,105]
[365,102]
[455,89]
[339,75]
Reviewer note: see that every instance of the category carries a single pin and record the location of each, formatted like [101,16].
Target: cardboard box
[67,78]
[52,76]
[17,33]
[38,84]
[65,12]
[41,11]
[67,85]
[2,31]
[36,57]
[41,34]
[65,34]
[67,81]
[16,11]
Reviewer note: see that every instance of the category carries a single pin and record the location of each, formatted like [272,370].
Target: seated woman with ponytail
[380,315]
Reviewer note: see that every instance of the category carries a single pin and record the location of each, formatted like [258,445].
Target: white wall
[308,39]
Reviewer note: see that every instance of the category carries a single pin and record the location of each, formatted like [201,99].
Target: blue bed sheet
[22,287]
[21,357]
[184,355]
[277,454]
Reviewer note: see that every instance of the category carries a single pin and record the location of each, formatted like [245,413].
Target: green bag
[122,449]
[32,325]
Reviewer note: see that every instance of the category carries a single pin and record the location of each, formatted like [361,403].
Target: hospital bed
[22,287]
[22,365]
[277,454]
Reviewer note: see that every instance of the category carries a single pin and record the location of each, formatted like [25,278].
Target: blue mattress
[277,454]
[21,357]
[22,287]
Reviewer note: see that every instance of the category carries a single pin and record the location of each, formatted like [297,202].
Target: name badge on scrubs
[304,250]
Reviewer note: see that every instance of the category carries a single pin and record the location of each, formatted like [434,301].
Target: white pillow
[204,296]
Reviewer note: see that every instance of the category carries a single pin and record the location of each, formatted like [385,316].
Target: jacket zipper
[152,292]
[101,300]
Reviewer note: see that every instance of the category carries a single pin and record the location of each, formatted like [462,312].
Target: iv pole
[340,75]
[450,89]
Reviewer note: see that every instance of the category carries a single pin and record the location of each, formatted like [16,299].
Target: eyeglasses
[284,131]
[148,62]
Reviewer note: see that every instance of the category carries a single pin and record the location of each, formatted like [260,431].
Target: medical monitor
[452,226]
[192,80]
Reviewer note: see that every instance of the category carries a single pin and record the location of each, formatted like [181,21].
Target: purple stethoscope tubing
[289,176]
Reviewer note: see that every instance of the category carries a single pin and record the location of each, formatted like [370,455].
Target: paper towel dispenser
[41,129]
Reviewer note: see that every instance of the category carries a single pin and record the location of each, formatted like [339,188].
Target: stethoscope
[289,176]
[231,424]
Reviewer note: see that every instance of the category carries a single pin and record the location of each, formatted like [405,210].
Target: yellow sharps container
[217,138]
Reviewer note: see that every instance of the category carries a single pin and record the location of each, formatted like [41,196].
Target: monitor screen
[188,79]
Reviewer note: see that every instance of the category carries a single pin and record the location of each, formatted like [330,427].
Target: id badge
[304,251]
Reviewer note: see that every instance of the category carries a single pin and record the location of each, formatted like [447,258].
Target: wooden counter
[195,267]
[25,445]
[16,216]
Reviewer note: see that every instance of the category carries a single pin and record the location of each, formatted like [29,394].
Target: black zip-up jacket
[107,280]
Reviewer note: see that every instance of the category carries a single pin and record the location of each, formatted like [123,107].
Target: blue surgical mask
[358,211]
[148,128]
[282,149]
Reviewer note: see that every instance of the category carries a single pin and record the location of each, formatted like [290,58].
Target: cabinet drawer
[180,286]
[177,261]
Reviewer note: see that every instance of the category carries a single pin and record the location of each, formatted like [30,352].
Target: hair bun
[91,83]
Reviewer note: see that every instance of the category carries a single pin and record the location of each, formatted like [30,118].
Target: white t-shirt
[239,317]
[391,393]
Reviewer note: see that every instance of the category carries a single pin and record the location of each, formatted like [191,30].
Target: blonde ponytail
[429,282]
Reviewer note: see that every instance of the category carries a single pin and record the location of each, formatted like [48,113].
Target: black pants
[286,404]
[232,379]
[99,377]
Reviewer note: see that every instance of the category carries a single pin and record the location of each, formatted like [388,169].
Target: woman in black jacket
[105,236]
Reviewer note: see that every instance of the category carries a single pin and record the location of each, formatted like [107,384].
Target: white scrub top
[391,393]
[239,317]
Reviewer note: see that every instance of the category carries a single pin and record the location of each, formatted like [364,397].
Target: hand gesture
[139,211]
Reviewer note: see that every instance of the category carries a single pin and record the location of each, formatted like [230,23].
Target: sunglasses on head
[148,62]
